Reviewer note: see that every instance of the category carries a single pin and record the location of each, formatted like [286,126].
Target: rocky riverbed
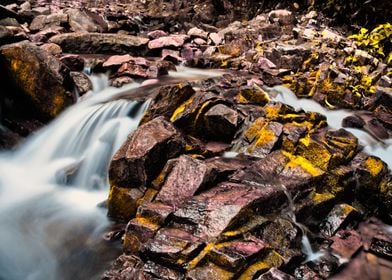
[221,179]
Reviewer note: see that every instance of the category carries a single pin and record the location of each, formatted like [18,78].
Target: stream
[50,186]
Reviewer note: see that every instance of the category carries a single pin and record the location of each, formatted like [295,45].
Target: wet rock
[144,154]
[122,203]
[39,76]
[82,82]
[208,214]
[73,62]
[353,122]
[80,42]
[236,254]
[339,217]
[346,243]
[275,274]
[168,99]
[221,123]
[167,41]
[120,81]
[382,248]
[133,70]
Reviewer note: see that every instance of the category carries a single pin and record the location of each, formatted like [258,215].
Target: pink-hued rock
[216,38]
[167,41]
[197,32]
[117,60]
[156,34]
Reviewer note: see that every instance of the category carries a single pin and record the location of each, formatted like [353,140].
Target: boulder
[80,42]
[197,32]
[143,155]
[42,22]
[41,79]
[82,82]
[221,123]
[73,62]
[80,21]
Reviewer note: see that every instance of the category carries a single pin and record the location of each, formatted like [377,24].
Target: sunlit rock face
[287,194]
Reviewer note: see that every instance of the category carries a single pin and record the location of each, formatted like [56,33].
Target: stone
[156,34]
[42,22]
[122,203]
[171,55]
[7,13]
[168,99]
[143,155]
[73,62]
[346,243]
[82,82]
[80,21]
[51,48]
[199,41]
[81,42]
[133,70]
[197,32]
[283,17]
[117,60]
[39,76]
[221,123]
[167,41]
[339,217]
[216,38]
[209,271]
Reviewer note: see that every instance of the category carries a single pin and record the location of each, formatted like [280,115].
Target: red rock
[216,38]
[117,60]
[171,55]
[346,243]
[156,34]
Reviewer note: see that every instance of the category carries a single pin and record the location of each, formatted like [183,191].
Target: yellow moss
[180,109]
[375,166]
[253,131]
[303,163]
[265,137]
[273,259]
[146,222]
[271,112]
[254,95]
[193,263]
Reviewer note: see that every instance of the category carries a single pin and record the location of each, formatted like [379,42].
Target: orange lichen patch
[374,165]
[193,263]
[303,163]
[273,259]
[180,109]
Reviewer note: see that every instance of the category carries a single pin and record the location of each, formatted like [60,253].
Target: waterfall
[50,225]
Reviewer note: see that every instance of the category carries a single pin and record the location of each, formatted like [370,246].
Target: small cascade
[307,249]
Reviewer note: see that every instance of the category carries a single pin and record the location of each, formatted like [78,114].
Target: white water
[49,222]
[335,117]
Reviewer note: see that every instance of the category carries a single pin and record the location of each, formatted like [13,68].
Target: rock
[210,271]
[120,81]
[216,38]
[42,22]
[9,22]
[283,17]
[82,82]
[6,36]
[331,36]
[143,155]
[133,70]
[117,60]
[156,34]
[171,55]
[51,48]
[275,274]
[340,216]
[73,62]
[221,123]
[79,42]
[167,41]
[346,243]
[122,203]
[80,21]
[382,248]
[197,32]
[39,76]
[199,41]
[7,13]
[168,99]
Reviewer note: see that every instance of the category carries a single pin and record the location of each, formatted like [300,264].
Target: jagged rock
[39,76]
[80,42]
[167,41]
[168,99]
[122,203]
[117,60]
[120,81]
[144,154]
[42,22]
[81,81]
[73,62]
[340,216]
[171,55]
[221,123]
